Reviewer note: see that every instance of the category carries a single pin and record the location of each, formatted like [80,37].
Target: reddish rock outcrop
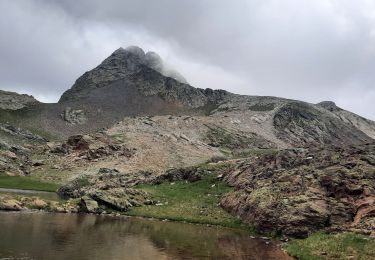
[297,191]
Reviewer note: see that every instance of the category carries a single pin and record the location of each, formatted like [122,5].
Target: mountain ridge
[130,83]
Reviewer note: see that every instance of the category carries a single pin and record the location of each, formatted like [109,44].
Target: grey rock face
[89,205]
[329,105]
[14,101]
[301,123]
[74,116]
[363,124]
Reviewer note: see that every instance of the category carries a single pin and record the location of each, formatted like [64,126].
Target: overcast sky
[308,50]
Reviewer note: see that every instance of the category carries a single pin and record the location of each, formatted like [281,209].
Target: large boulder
[109,188]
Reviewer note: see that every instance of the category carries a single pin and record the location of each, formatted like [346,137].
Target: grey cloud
[311,50]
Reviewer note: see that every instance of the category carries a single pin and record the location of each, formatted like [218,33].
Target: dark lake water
[34,235]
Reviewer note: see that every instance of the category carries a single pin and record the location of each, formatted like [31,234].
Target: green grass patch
[195,202]
[332,246]
[26,183]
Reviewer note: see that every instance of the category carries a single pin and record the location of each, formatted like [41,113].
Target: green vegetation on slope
[194,202]
[26,183]
[332,246]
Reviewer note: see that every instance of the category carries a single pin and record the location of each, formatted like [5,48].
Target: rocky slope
[131,82]
[14,101]
[301,124]
[298,191]
[363,124]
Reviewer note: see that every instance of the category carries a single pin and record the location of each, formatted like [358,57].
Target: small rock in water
[213,185]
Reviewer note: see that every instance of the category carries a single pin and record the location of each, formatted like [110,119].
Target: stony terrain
[293,167]
[14,101]
[298,191]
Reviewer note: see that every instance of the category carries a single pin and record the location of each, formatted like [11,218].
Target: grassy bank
[332,246]
[195,202]
[26,183]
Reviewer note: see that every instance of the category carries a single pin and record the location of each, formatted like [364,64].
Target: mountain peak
[122,63]
[150,59]
[134,52]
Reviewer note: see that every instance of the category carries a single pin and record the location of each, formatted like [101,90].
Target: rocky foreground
[293,192]
[298,191]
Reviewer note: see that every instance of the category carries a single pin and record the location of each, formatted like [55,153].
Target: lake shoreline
[167,240]
[316,245]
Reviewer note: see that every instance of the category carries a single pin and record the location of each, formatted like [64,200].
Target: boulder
[74,116]
[88,205]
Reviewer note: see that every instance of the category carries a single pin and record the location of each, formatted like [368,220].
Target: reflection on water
[71,236]
[41,194]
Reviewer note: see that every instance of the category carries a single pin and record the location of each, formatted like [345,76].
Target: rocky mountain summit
[123,63]
[131,82]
